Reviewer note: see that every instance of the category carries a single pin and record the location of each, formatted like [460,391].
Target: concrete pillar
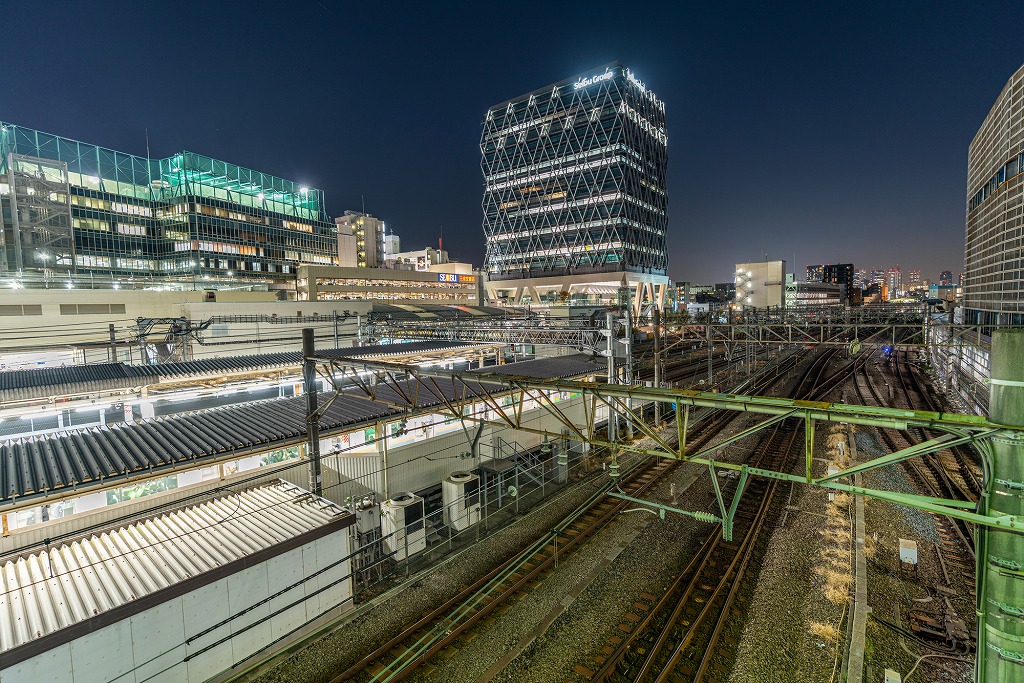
[1000,552]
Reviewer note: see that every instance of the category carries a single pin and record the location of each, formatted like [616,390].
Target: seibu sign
[585,82]
[456,278]
[630,76]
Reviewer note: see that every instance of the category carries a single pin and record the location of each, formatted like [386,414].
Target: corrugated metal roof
[48,463]
[26,384]
[211,366]
[49,591]
[75,379]
[427,392]
[553,367]
[45,464]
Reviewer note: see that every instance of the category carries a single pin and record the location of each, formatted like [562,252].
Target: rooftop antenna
[440,239]
[363,198]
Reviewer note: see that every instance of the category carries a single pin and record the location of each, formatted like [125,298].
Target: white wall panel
[330,549]
[50,667]
[103,655]
[202,609]
[246,589]
[286,570]
[310,564]
[426,462]
[356,473]
[158,637]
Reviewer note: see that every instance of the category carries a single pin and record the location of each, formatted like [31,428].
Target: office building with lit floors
[574,206]
[76,214]
[993,259]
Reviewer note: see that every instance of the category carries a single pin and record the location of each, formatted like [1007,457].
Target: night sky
[822,132]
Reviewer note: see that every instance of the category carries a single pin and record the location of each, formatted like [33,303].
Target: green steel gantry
[999,515]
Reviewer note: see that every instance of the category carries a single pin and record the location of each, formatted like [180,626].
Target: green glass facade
[67,207]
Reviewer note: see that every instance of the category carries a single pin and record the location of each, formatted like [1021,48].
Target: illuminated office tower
[993,290]
[574,203]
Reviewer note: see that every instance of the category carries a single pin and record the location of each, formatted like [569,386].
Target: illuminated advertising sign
[584,82]
[457,279]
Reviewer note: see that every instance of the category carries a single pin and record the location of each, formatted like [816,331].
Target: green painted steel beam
[823,411]
[961,426]
[738,436]
[925,447]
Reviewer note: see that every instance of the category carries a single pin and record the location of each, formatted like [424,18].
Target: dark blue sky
[822,131]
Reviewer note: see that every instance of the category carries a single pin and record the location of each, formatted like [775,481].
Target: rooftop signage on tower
[631,77]
[587,82]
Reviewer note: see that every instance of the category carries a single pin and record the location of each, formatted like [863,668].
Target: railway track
[956,553]
[928,472]
[691,632]
[960,455]
[456,618]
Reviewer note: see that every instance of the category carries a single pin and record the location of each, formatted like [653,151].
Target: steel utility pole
[612,421]
[312,417]
[656,317]
[1000,552]
[629,367]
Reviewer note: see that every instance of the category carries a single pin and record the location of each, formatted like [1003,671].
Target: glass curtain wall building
[574,202]
[68,208]
[993,252]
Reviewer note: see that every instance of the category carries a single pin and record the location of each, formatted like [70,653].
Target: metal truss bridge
[583,335]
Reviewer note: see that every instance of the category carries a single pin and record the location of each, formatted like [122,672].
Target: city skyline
[852,141]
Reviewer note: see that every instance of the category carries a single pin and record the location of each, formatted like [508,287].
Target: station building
[449,283]
[993,278]
[72,212]
[575,203]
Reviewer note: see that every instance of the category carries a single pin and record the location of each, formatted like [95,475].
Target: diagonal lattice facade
[574,179]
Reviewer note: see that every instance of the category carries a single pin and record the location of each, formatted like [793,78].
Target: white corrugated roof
[45,592]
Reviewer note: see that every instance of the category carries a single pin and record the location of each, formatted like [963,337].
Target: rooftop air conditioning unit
[460,493]
[401,525]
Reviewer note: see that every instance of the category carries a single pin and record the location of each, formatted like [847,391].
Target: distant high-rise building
[838,274]
[814,273]
[834,273]
[993,290]
[861,278]
[894,282]
[575,203]
[877,276]
[946,277]
[914,278]
[369,237]
[960,280]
